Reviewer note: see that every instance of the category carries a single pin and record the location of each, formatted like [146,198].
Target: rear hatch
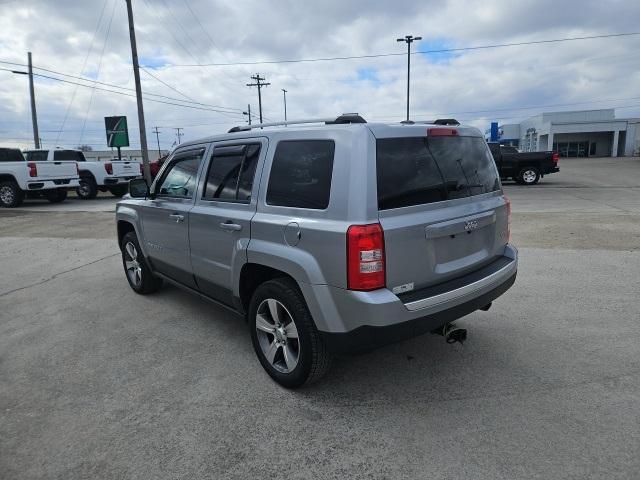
[126,168]
[440,206]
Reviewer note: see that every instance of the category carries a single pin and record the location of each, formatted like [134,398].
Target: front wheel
[10,195]
[528,176]
[284,335]
[57,195]
[140,277]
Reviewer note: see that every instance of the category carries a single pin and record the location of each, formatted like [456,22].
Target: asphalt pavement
[98,382]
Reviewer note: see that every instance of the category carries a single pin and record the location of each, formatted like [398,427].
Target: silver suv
[328,238]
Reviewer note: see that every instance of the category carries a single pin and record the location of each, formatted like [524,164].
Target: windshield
[420,170]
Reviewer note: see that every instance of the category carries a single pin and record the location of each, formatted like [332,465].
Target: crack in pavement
[56,275]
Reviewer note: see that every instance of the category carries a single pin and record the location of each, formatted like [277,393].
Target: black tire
[10,194]
[148,283]
[528,176]
[57,195]
[88,190]
[313,360]
[119,190]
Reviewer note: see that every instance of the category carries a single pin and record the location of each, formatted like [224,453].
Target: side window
[179,180]
[11,155]
[37,156]
[301,174]
[231,172]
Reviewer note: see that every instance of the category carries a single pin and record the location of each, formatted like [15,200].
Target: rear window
[68,155]
[420,170]
[37,156]
[301,174]
[11,155]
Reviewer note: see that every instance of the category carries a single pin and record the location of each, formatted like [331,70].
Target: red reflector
[365,257]
[33,169]
[442,132]
[109,168]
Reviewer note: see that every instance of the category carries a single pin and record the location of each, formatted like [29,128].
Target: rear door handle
[177,217]
[230,226]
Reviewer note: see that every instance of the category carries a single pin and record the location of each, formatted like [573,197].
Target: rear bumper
[354,321]
[53,183]
[110,181]
[549,170]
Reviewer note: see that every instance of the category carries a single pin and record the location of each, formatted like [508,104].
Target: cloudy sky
[178,40]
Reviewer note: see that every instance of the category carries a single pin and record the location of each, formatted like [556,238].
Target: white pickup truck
[112,176]
[20,179]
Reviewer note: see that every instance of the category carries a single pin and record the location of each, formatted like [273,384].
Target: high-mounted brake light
[109,168]
[442,132]
[33,169]
[365,257]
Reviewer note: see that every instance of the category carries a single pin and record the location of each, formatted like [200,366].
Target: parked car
[526,168]
[112,176]
[332,238]
[20,179]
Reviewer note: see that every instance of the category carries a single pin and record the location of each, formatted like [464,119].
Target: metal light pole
[136,76]
[409,39]
[284,92]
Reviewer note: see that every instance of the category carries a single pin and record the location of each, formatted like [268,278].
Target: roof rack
[345,118]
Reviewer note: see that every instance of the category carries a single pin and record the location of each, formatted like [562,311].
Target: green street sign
[117,133]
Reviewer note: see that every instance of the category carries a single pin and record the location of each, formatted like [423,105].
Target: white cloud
[476,86]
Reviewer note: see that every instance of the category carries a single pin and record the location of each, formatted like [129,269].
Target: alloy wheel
[529,176]
[277,335]
[7,195]
[133,267]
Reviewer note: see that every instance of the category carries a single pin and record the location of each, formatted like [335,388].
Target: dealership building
[585,133]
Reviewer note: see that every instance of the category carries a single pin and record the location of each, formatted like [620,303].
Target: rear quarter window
[301,174]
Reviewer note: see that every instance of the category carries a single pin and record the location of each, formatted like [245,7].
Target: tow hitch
[451,333]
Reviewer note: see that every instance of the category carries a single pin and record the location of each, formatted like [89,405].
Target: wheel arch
[7,177]
[252,275]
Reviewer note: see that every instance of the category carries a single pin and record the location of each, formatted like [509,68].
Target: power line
[380,55]
[93,91]
[84,65]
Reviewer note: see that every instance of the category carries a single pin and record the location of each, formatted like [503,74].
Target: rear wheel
[57,195]
[284,335]
[140,277]
[118,190]
[10,194]
[528,176]
[87,189]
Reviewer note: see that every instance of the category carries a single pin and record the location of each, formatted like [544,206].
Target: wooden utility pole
[34,116]
[136,76]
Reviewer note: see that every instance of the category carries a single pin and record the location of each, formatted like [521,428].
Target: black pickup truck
[525,168]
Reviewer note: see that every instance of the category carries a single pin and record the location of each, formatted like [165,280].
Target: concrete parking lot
[98,382]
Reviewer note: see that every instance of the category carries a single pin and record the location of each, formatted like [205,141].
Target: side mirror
[138,188]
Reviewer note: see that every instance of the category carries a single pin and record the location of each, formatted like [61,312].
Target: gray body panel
[425,245]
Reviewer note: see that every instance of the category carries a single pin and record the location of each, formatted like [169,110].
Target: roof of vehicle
[379,129]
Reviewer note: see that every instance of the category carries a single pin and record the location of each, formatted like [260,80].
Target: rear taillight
[109,168]
[77,169]
[442,132]
[33,169]
[508,205]
[365,257]
[141,170]
[555,156]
